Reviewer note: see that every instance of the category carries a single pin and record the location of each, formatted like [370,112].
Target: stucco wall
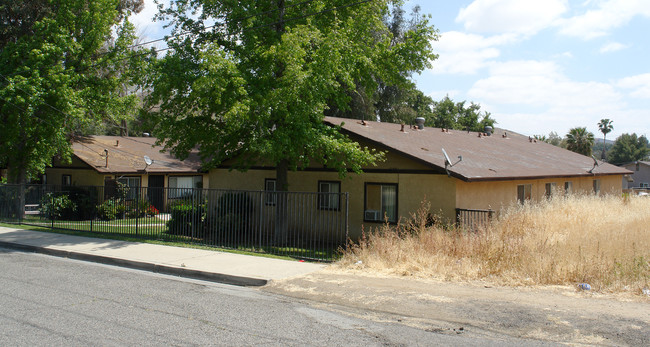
[501,194]
[412,189]
[640,176]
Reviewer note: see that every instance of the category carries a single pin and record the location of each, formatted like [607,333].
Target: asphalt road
[49,301]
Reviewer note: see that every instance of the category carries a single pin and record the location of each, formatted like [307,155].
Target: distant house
[104,160]
[639,177]
[496,171]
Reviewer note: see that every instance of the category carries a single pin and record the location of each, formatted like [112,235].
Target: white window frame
[386,206]
[549,189]
[596,186]
[568,187]
[524,192]
[185,190]
[329,197]
[133,183]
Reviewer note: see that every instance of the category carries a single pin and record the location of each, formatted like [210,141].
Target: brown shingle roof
[485,158]
[126,155]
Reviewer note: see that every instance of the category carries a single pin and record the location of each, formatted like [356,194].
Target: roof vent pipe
[419,121]
[488,130]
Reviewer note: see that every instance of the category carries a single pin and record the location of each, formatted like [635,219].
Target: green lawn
[154,230]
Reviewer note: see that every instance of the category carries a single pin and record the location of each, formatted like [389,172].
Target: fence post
[21,202]
[261,212]
[347,218]
[137,209]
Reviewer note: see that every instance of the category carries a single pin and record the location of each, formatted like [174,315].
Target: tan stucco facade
[82,175]
[496,195]
[414,181]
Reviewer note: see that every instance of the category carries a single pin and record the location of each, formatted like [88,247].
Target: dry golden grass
[603,241]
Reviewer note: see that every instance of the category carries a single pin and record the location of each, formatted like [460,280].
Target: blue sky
[536,65]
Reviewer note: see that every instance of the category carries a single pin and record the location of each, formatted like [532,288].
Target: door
[156,191]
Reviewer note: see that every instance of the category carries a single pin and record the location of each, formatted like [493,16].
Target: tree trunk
[602,156]
[281,212]
[17,174]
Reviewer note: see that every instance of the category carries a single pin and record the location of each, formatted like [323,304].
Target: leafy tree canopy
[456,115]
[393,98]
[63,65]
[628,148]
[251,80]
[580,140]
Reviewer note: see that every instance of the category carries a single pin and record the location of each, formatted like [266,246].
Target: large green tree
[252,80]
[456,115]
[580,140]
[64,65]
[628,148]
[605,126]
[393,97]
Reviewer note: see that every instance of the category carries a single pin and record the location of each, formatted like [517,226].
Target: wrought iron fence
[473,220]
[297,224]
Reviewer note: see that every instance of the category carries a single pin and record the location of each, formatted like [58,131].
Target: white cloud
[612,47]
[143,21]
[510,16]
[540,83]
[639,83]
[461,53]
[437,95]
[552,101]
[600,21]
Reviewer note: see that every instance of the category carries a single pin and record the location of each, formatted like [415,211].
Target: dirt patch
[554,313]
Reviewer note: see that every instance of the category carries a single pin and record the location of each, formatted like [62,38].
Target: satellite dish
[447,160]
[595,164]
[448,163]
[147,161]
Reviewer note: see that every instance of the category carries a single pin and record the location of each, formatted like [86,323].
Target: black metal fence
[298,224]
[473,220]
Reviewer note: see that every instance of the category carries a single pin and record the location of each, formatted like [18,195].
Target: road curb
[138,265]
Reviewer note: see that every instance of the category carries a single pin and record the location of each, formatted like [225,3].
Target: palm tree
[605,126]
[579,140]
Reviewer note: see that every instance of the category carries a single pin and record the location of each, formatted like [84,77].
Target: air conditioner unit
[372,215]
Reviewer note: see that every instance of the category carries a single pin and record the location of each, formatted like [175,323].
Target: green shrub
[57,206]
[186,219]
[107,210]
[140,208]
[232,215]
[85,200]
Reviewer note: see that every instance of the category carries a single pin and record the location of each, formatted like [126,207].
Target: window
[524,192]
[549,189]
[643,185]
[131,185]
[329,197]
[269,186]
[66,180]
[568,187]
[182,186]
[380,202]
[596,186]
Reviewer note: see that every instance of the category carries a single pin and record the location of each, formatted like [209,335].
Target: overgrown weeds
[603,241]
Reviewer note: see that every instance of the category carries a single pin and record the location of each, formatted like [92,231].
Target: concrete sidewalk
[201,264]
